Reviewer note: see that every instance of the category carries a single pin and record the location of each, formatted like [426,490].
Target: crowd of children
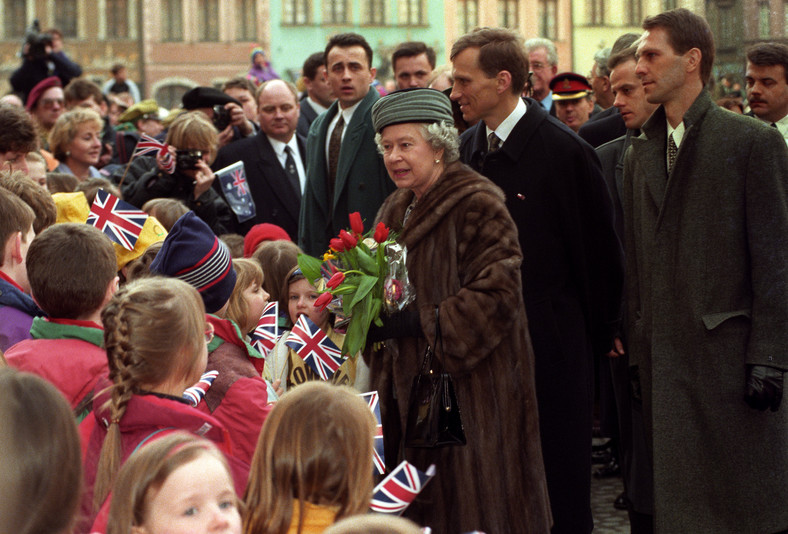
[98,345]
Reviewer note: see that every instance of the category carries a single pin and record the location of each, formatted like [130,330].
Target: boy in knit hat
[238,397]
[71,270]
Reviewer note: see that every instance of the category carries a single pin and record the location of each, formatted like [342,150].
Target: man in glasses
[543,60]
[46,103]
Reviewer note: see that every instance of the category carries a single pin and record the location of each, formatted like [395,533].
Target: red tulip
[336,245]
[348,240]
[335,280]
[355,223]
[323,300]
[381,232]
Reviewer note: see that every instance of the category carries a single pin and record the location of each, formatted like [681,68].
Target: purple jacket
[16,315]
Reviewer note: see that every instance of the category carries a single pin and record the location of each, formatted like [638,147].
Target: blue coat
[362,183]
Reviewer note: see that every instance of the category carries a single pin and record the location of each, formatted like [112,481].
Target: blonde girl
[298,297]
[155,336]
[248,299]
[313,462]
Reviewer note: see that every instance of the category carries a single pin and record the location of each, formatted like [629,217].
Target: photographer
[193,144]
[224,111]
[42,57]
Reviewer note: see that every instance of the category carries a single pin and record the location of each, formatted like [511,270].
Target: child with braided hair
[155,335]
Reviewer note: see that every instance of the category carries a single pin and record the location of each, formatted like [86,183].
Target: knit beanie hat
[194,254]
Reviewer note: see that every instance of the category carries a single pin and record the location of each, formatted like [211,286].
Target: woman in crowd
[463,259]
[156,337]
[177,484]
[193,144]
[75,140]
[40,464]
[313,462]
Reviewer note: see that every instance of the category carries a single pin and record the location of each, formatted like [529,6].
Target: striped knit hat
[194,254]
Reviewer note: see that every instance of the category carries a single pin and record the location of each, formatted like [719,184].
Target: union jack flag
[239,181]
[148,144]
[315,348]
[235,188]
[197,392]
[267,331]
[373,399]
[121,221]
[400,488]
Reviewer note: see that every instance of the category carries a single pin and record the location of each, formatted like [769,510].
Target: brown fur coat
[464,257]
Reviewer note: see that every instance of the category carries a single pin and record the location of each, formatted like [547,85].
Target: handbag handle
[426,363]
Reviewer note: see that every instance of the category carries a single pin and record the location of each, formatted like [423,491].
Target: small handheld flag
[197,392]
[236,191]
[378,459]
[266,333]
[148,144]
[395,492]
[121,221]
[315,348]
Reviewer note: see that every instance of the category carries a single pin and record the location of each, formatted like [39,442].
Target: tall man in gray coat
[344,171]
[705,198]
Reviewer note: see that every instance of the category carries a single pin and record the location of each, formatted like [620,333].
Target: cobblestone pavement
[608,520]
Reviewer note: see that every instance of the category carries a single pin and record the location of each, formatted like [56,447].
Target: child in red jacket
[71,269]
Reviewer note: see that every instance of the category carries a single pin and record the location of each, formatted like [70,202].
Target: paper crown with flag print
[193,253]
[73,207]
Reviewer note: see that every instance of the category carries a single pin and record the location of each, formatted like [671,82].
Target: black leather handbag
[433,412]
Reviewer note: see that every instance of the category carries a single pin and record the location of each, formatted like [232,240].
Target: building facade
[170,46]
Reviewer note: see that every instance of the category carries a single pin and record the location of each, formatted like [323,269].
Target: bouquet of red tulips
[360,276]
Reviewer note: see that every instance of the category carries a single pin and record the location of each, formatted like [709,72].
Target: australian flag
[148,144]
[197,392]
[373,399]
[121,221]
[236,191]
[400,488]
[267,331]
[315,348]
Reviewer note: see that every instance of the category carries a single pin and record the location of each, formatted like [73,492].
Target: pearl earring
[437,161]
[68,153]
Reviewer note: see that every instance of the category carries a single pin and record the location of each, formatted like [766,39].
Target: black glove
[634,384]
[400,324]
[764,387]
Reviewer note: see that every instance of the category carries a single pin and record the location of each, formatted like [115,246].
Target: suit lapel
[270,168]
[350,145]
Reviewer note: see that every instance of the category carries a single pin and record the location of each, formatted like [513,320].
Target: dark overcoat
[463,257]
[276,200]
[634,453]
[572,277]
[362,183]
[707,286]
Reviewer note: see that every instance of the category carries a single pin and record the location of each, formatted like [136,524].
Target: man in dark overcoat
[705,198]
[572,259]
[356,179]
[635,461]
[276,193]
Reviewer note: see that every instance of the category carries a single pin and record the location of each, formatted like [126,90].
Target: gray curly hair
[440,136]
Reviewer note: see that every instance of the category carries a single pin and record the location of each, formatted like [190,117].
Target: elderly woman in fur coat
[464,259]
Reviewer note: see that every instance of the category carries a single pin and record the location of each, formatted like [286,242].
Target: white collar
[505,128]
[678,132]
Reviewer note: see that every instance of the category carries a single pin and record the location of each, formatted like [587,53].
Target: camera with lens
[186,160]
[221,117]
[36,42]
